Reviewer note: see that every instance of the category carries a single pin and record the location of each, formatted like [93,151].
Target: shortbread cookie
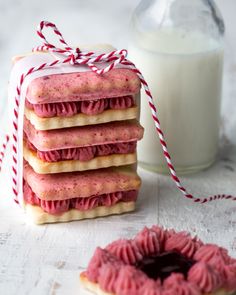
[81,119]
[84,184]
[82,112]
[159,261]
[38,216]
[44,167]
[113,132]
[86,107]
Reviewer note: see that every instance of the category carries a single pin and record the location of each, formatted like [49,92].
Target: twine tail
[3,149]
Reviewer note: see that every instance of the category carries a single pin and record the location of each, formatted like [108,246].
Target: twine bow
[77,57]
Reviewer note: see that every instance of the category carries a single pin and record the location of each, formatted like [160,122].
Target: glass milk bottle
[178,46]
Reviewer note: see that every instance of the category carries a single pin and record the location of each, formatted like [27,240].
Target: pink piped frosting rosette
[115,269]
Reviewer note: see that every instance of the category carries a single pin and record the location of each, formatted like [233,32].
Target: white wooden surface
[48,259]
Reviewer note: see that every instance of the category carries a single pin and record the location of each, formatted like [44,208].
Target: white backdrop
[48,259]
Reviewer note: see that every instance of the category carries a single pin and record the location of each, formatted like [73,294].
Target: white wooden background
[48,259]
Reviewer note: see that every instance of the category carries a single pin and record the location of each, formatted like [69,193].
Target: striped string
[3,149]
[92,60]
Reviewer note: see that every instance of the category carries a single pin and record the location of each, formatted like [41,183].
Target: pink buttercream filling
[148,242]
[176,284]
[83,153]
[182,242]
[82,204]
[70,108]
[205,277]
[125,278]
[126,250]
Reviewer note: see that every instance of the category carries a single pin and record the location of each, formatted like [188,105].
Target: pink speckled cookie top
[113,132]
[84,184]
[82,86]
[162,262]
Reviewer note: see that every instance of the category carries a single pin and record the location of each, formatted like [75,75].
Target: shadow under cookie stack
[80,136]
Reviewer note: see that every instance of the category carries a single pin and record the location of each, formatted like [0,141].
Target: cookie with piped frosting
[160,262]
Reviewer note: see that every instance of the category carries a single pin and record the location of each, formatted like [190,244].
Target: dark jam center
[163,265]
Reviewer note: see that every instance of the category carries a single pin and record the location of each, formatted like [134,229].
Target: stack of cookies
[80,136]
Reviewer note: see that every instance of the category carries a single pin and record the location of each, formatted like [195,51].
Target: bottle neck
[188,18]
[177,26]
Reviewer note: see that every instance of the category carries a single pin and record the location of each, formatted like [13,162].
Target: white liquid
[184,73]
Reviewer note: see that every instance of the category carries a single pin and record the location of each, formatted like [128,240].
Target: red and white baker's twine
[3,149]
[77,57]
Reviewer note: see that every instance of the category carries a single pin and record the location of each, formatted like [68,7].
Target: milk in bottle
[183,68]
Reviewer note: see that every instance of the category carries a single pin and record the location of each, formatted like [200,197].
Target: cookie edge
[80,119]
[100,162]
[90,286]
[38,216]
[95,288]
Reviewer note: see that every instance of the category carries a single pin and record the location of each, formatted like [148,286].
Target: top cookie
[83,86]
